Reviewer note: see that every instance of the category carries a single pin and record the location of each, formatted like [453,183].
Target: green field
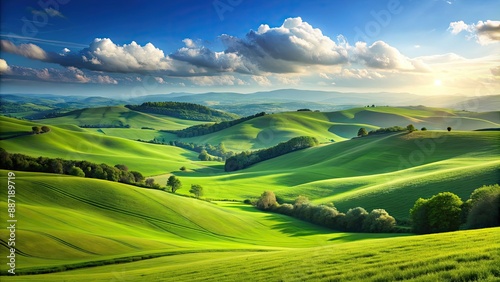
[79,229]
[97,222]
[73,143]
[269,130]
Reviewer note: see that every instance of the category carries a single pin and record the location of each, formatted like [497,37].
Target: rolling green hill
[119,116]
[269,130]
[386,171]
[73,143]
[75,221]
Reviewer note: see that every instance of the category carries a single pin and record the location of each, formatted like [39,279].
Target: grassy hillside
[387,171]
[272,129]
[76,144]
[119,115]
[68,221]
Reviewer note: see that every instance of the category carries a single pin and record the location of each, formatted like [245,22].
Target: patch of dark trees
[181,110]
[246,159]
[118,173]
[105,125]
[203,129]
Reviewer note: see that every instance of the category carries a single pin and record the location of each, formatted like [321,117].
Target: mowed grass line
[472,255]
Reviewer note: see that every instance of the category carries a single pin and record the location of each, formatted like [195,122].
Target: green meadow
[81,229]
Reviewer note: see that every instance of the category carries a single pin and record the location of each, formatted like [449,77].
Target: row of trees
[446,211]
[246,159]
[38,129]
[203,129]
[119,125]
[22,162]
[181,110]
[355,220]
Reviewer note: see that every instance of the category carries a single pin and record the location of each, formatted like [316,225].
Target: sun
[437,82]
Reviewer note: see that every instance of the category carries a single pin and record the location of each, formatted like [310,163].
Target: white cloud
[227,80]
[261,80]
[4,67]
[381,55]
[485,33]
[189,43]
[105,79]
[30,51]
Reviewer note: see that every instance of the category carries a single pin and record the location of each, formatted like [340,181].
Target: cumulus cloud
[4,67]
[381,55]
[30,51]
[66,75]
[295,48]
[484,32]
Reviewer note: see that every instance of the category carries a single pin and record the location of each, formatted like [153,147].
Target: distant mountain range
[247,104]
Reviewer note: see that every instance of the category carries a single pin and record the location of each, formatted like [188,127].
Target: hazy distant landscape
[250,140]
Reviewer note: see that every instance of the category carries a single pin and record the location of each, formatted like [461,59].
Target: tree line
[203,129]
[181,110]
[118,173]
[120,125]
[246,159]
[355,220]
[447,212]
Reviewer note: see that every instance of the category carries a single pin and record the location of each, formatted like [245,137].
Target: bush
[379,221]
[411,128]
[354,219]
[440,213]
[423,129]
[247,201]
[484,206]
[267,201]
[76,171]
[45,129]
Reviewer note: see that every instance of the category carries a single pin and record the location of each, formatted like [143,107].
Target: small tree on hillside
[354,219]
[410,128]
[183,168]
[203,156]
[174,183]
[448,128]
[362,132]
[45,129]
[35,129]
[424,129]
[197,190]
[378,220]
[267,201]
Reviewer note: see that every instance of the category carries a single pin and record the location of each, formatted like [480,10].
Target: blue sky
[127,48]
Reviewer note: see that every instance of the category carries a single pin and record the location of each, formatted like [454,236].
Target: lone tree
[424,129]
[267,201]
[362,132]
[183,168]
[411,128]
[197,190]
[45,129]
[35,129]
[448,128]
[174,183]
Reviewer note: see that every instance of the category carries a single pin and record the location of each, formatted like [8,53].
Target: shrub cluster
[246,159]
[446,211]
[355,220]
